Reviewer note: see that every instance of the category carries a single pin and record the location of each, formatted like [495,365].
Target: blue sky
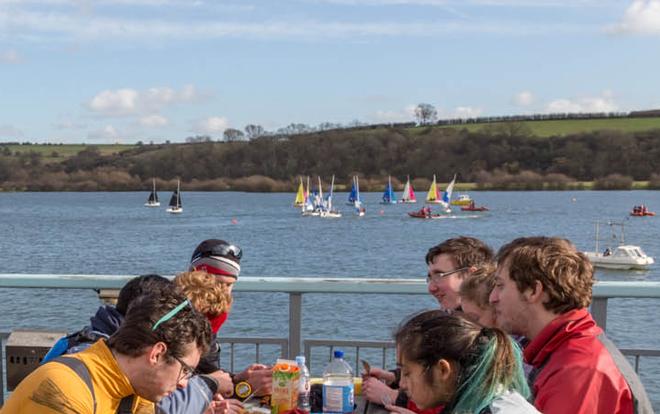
[108,71]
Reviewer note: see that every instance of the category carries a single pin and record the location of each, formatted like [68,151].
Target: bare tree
[425,114]
[254,131]
[232,134]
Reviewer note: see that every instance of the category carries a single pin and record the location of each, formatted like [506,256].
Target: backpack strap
[81,370]
[126,405]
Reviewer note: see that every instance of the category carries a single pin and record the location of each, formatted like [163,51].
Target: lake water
[112,233]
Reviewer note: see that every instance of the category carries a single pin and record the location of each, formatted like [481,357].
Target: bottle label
[338,398]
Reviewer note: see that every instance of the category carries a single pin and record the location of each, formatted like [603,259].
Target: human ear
[444,370]
[535,293]
[157,352]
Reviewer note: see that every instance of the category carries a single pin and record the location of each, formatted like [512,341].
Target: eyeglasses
[186,370]
[436,277]
[222,250]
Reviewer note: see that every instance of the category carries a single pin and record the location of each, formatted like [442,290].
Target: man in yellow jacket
[155,350]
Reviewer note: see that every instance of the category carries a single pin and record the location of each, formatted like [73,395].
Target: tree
[425,113]
[254,131]
[232,134]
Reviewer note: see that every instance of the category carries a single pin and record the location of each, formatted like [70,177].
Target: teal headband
[169,315]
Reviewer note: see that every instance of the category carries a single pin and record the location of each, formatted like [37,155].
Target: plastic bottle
[303,385]
[338,397]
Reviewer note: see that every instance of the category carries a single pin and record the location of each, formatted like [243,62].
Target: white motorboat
[622,256]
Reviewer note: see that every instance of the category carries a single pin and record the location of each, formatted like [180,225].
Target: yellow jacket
[54,388]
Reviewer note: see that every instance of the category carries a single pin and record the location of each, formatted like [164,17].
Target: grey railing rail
[295,287]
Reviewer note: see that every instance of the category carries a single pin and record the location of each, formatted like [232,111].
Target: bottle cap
[300,360]
[339,354]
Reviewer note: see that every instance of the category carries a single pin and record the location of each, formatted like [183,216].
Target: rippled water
[112,233]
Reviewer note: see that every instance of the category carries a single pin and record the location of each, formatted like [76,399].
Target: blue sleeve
[194,399]
[58,349]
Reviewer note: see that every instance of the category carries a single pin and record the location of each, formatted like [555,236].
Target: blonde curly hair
[208,295]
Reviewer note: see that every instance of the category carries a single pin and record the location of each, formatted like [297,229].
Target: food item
[286,375]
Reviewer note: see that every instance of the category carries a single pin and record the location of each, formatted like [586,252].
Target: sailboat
[175,201]
[152,201]
[433,197]
[388,195]
[357,203]
[352,196]
[408,195]
[328,211]
[307,208]
[314,201]
[300,195]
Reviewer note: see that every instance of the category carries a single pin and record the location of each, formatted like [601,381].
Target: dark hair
[566,274]
[489,363]
[136,332]
[465,251]
[140,285]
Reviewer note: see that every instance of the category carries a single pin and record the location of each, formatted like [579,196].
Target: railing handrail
[602,289]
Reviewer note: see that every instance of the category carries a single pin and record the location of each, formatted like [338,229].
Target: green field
[56,153]
[574,126]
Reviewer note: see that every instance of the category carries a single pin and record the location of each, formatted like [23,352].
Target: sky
[122,71]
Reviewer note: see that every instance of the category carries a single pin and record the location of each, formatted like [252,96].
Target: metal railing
[296,287]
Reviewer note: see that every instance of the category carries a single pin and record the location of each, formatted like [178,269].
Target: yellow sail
[432,195]
[300,196]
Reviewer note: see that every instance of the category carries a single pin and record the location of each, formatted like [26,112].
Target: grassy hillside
[55,153]
[575,126]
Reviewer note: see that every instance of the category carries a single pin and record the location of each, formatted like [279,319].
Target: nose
[182,383]
[431,287]
[493,298]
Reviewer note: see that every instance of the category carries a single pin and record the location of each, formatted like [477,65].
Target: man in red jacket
[542,290]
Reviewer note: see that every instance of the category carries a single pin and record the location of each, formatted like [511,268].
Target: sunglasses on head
[222,250]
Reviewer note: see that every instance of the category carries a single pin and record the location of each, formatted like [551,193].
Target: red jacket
[577,374]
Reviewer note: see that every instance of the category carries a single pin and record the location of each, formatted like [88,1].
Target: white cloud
[210,125]
[405,115]
[10,57]
[49,27]
[69,124]
[105,134]
[603,103]
[466,112]
[642,17]
[154,121]
[131,102]
[10,131]
[524,98]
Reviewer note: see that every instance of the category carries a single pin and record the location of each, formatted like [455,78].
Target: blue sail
[353,195]
[388,195]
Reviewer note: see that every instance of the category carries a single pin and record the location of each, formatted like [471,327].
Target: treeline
[503,156]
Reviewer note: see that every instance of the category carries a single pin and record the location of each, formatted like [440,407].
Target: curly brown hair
[566,274]
[477,286]
[207,294]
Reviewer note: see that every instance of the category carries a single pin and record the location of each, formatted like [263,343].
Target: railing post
[599,312]
[295,323]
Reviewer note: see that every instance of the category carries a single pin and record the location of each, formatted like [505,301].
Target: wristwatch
[242,389]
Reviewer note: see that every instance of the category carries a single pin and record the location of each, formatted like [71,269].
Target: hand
[225,385]
[387,376]
[227,407]
[376,391]
[398,410]
[260,378]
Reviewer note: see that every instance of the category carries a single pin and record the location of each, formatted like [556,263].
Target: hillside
[574,126]
[495,156]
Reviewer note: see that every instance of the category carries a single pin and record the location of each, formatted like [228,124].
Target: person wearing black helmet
[223,260]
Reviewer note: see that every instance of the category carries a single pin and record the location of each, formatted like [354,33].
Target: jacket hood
[106,320]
